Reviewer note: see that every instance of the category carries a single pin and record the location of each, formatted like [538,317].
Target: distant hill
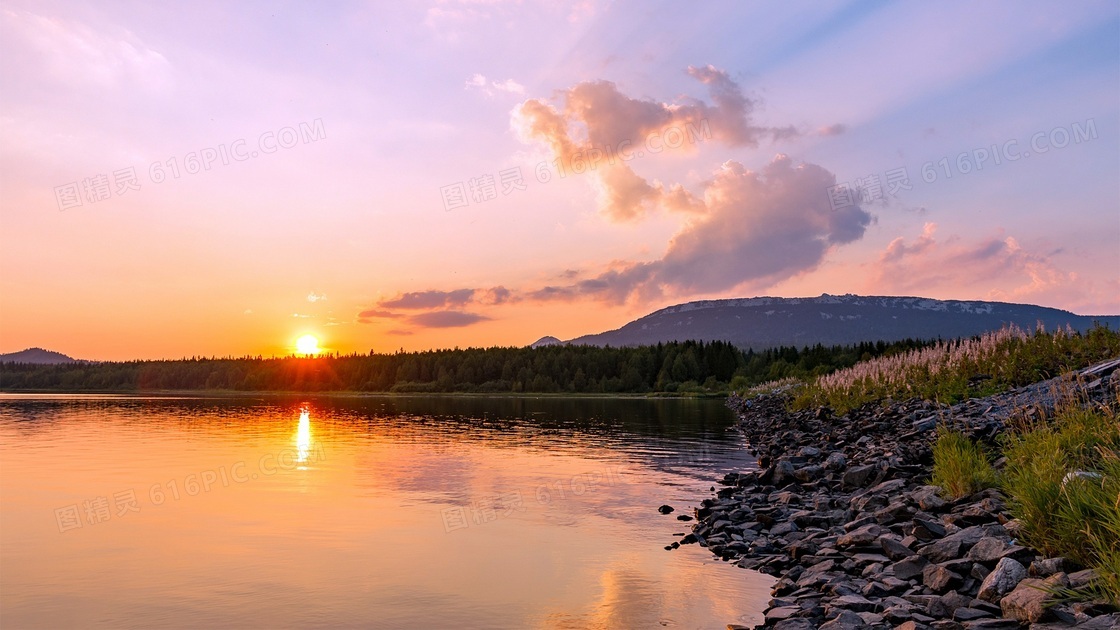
[546,341]
[37,355]
[766,322]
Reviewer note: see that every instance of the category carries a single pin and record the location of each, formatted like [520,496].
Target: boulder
[1001,581]
[1027,603]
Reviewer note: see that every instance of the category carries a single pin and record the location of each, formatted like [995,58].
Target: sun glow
[307,344]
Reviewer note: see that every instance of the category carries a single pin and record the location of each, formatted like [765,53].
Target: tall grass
[951,371]
[960,466]
[1062,481]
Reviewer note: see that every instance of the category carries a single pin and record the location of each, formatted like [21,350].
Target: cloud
[833,130]
[595,121]
[995,267]
[446,319]
[488,86]
[441,304]
[429,299]
[313,297]
[752,229]
[364,317]
[73,53]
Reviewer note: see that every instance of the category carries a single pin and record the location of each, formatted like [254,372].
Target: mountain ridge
[765,322]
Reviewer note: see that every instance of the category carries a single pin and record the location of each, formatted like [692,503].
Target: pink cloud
[594,118]
[994,267]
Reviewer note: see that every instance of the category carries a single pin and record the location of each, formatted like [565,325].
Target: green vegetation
[682,368]
[960,466]
[952,371]
[1063,482]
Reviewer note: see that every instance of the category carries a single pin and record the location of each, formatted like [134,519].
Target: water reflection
[303,435]
[361,507]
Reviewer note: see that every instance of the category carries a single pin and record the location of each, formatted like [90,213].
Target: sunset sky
[222,178]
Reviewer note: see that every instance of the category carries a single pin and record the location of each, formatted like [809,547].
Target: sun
[307,344]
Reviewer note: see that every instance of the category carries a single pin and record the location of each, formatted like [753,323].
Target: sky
[218,179]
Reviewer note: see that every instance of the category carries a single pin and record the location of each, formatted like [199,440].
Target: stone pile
[840,510]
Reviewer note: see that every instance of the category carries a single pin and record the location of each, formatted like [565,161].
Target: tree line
[676,367]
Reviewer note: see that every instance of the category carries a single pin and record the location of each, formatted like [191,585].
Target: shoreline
[223,393]
[840,510]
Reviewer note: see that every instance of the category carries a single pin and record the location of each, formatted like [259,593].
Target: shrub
[960,466]
[1062,481]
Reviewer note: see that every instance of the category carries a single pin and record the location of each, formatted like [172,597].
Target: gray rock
[924,529]
[952,546]
[1002,580]
[795,624]
[780,613]
[845,620]
[1082,579]
[947,604]
[857,603]
[783,473]
[894,549]
[909,568]
[835,461]
[861,536]
[857,476]
[1046,567]
[988,549]
[809,473]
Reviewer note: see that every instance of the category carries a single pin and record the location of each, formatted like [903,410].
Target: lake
[363,512]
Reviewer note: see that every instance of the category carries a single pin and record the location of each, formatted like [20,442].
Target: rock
[970,614]
[795,624]
[783,473]
[806,474]
[940,579]
[953,545]
[947,604]
[924,529]
[988,549]
[928,499]
[1082,579]
[845,620]
[684,517]
[783,612]
[1002,580]
[835,461]
[861,536]
[1027,603]
[665,509]
[909,568]
[857,476]
[1049,566]
[894,549]
[857,603]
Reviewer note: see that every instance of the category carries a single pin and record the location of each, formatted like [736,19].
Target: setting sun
[307,344]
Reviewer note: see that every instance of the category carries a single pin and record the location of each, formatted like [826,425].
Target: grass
[960,466]
[1062,482]
[952,371]
[1062,512]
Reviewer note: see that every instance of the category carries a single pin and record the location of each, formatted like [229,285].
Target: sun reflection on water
[303,435]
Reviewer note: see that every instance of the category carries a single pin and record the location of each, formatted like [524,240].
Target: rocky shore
[840,511]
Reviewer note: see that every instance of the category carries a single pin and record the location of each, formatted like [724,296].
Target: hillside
[766,322]
[38,356]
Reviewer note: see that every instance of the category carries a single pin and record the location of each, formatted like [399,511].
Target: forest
[688,367]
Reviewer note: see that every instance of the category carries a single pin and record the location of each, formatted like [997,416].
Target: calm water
[362,512]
